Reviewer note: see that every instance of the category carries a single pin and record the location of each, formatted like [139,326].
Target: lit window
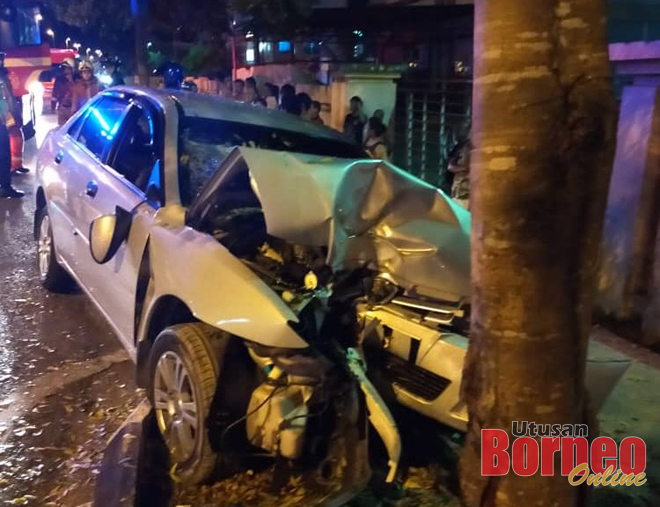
[284,46]
[249,55]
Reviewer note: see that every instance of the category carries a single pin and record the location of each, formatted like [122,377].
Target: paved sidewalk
[633,409]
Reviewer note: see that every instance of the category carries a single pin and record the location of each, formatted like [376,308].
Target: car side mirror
[107,233]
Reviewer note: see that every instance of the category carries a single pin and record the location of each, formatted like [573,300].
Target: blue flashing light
[100,119]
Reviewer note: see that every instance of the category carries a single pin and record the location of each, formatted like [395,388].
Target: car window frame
[78,121]
[159,129]
[100,159]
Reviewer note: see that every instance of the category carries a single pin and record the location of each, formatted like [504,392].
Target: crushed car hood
[367,212]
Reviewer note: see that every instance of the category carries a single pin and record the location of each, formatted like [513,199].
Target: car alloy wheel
[45,247]
[53,276]
[184,364]
[176,408]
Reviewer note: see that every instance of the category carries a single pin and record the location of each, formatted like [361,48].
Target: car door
[85,162]
[130,178]
[57,177]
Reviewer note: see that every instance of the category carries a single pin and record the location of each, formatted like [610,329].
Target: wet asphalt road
[65,382]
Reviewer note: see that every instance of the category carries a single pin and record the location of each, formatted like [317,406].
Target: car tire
[183,377]
[53,276]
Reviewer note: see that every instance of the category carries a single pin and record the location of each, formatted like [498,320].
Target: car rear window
[205,143]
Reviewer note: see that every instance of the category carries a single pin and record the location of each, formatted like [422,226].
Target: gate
[431,116]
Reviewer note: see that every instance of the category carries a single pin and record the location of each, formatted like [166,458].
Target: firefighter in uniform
[86,87]
[7,112]
[14,122]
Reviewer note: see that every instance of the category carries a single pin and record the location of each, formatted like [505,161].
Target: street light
[76,46]
[67,42]
[50,33]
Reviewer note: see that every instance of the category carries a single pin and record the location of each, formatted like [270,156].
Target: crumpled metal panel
[366,212]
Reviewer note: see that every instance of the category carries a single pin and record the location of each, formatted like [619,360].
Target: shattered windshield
[205,143]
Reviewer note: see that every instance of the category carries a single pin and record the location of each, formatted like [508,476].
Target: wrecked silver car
[263,274]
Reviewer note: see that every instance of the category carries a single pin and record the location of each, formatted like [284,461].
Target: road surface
[65,382]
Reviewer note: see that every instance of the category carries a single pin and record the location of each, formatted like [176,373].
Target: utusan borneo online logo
[534,446]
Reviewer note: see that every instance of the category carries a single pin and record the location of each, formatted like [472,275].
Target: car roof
[218,108]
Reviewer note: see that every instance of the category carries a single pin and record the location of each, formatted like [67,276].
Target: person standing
[459,165]
[379,115]
[63,92]
[85,87]
[251,93]
[355,121]
[315,112]
[272,96]
[7,110]
[376,144]
[14,122]
[172,76]
[288,100]
[117,75]
[304,105]
[239,90]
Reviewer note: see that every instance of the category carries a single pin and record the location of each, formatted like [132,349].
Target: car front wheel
[53,276]
[183,376]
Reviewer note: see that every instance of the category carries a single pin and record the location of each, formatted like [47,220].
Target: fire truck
[27,54]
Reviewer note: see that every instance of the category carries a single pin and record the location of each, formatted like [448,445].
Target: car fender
[218,288]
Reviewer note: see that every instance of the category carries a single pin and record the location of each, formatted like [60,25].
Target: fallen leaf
[21,500]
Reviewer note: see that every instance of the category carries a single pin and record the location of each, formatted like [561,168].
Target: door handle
[59,157]
[91,189]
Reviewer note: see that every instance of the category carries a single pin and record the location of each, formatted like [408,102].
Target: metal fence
[431,116]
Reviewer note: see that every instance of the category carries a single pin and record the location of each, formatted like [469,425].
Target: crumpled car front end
[407,242]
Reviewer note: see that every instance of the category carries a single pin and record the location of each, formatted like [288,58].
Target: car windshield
[205,143]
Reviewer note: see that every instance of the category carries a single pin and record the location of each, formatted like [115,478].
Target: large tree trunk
[543,132]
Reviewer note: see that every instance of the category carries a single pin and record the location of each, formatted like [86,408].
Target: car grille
[415,380]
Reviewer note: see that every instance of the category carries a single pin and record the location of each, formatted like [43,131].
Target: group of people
[272,96]
[72,90]
[371,133]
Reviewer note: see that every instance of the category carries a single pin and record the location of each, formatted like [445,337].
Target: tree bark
[543,131]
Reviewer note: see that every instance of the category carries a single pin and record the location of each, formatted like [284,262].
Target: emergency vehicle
[27,54]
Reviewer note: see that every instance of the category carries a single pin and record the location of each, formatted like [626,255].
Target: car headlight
[36,88]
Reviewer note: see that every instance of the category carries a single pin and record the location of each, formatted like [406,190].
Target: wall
[631,219]
[651,326]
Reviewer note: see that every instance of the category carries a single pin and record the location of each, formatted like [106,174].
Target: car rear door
[57,175]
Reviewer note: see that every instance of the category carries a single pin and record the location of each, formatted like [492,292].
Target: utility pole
[140,10]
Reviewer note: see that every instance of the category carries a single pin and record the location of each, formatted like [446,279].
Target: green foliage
[202,58]
[156,59]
